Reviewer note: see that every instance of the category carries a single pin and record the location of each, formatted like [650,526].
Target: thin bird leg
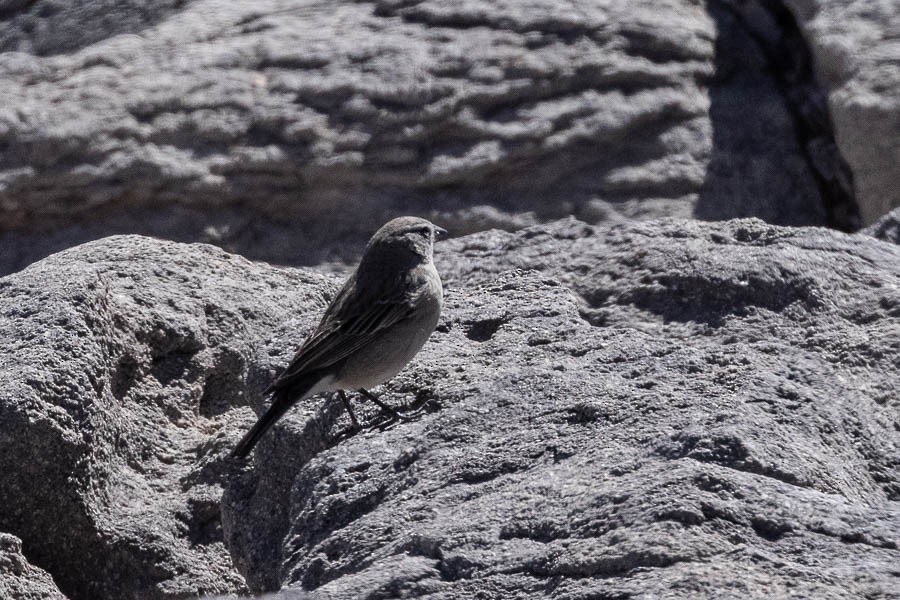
[391,411]
[349,409]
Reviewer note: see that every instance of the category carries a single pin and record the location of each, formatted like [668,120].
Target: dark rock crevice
[778,37]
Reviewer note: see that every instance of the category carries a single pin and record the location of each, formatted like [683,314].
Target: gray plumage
[377,322]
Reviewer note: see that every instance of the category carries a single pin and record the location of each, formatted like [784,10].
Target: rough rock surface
[20,580]
[670,408]
[118,359]
[255,125]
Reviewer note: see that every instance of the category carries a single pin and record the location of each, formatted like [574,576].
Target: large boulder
[118,361]
[667,408]
[257,126]
[19,579]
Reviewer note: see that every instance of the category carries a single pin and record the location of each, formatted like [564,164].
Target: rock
[779,40]
[663,408]
[256,126]
[117,363]
[857,60]
[669,408]
[21,580]
[886,228]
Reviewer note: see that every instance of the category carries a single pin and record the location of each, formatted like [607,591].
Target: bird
[376,324]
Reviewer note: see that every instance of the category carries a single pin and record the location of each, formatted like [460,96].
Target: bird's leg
[349,409]
[384,407]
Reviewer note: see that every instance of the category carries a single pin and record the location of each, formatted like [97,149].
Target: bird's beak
[439,232]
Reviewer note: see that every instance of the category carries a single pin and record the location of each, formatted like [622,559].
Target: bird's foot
[385,409]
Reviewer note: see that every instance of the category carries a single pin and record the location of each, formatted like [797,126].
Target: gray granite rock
[259,126]
[667,408]
[19,579]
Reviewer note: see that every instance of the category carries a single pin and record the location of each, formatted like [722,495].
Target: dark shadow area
[297,242]
[255,503]
[772,135]
[689,298]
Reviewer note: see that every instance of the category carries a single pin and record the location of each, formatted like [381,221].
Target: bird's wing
[347,325]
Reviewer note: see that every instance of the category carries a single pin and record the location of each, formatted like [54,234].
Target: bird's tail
[282,400]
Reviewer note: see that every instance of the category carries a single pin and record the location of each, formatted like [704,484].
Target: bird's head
[411,238]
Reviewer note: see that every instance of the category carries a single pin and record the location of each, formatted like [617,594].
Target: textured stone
[856,46]
[640,408]
[20,580]
[255,126]
[117,361]
[714,420]
[665,408]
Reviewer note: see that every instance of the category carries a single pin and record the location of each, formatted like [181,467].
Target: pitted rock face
[610,410]
[18,578]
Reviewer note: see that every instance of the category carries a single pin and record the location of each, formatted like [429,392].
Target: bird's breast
[390,351]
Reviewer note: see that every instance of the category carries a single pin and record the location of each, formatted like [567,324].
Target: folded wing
[349,324]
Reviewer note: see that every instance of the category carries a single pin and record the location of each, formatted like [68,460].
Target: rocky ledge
[668,408]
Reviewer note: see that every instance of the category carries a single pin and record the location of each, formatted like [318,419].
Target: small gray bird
[378,321]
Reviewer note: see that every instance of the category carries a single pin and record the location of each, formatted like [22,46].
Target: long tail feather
[282,400]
